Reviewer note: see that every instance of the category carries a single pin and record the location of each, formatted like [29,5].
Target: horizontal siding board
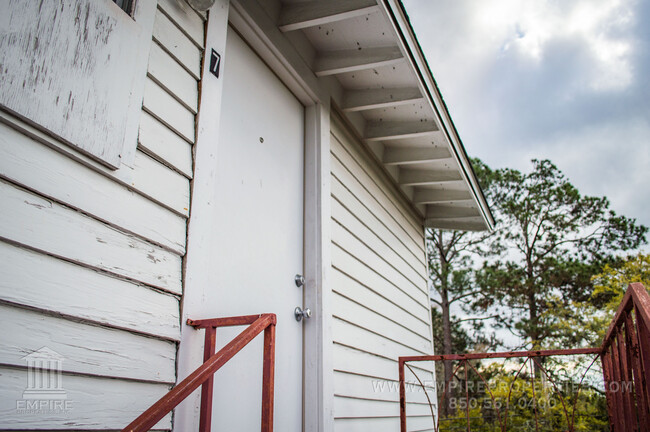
[350,408]
[43,225]
[351,360]
[87,349]
[350,265]
[395,223]
[173,78]
[162,184]
[366,317]
[363,387]
[347,241]
[345,285]
[168,110]
[96,403]
[414,256]
[43,282]
[185,18]
[160,142]
[383,424]
[357,164]
[344,217]
[29,163]
[364,339]
[176,43]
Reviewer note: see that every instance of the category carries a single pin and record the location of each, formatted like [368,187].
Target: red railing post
[634,358]
[606,359]
[268,377]
[626,382]
[207,389]
[402,397]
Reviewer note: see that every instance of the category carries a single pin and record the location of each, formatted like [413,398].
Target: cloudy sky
[563,80]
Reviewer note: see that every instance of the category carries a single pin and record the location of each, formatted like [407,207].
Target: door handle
[300,313]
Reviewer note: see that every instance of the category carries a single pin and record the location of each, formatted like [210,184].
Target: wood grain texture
[63,179]
[59,71]
[170,75]
[168,110]
[96,403]
[161,184]
[177,44]
[33,221]
[161,143]
[43,282]
[185,18]
[87,349]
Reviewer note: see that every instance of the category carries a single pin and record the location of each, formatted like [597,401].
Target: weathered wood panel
[59,71]
[161,143]
[62,179]
[95,403]
[161,184]
[176,43]
[87,349]
[185,18]
[33,221]
[43,282]
[168,110]
[172,77]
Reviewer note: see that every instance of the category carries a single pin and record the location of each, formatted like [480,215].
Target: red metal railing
[203,376]
[626,363]
[625,358]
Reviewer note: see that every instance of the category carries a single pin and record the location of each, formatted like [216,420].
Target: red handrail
[626,362]
[203,376]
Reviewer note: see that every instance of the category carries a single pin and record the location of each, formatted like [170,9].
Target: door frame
[254,25]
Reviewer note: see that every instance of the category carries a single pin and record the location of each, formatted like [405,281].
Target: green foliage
[610,284]
[554,240]
[523,399]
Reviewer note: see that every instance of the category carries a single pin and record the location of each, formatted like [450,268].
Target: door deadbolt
[300,313]
[300,280]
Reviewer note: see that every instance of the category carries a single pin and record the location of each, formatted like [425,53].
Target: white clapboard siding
[346,240]
[342,175]
[162,184]
[353,160]
[168,110]
[381,246]
[173,78]
[346,286]
[380,301]
[30,278]
[348,200]
[383,424]
[186,19]
[363,387]
[95,403]
[62,179]
[87,349]
[160,142]
[38,223]
[351,311]
[361,272]
[174,41]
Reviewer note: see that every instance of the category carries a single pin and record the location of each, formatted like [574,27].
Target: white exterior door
[260,237]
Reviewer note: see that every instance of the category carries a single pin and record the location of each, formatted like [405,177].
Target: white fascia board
[413,53]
